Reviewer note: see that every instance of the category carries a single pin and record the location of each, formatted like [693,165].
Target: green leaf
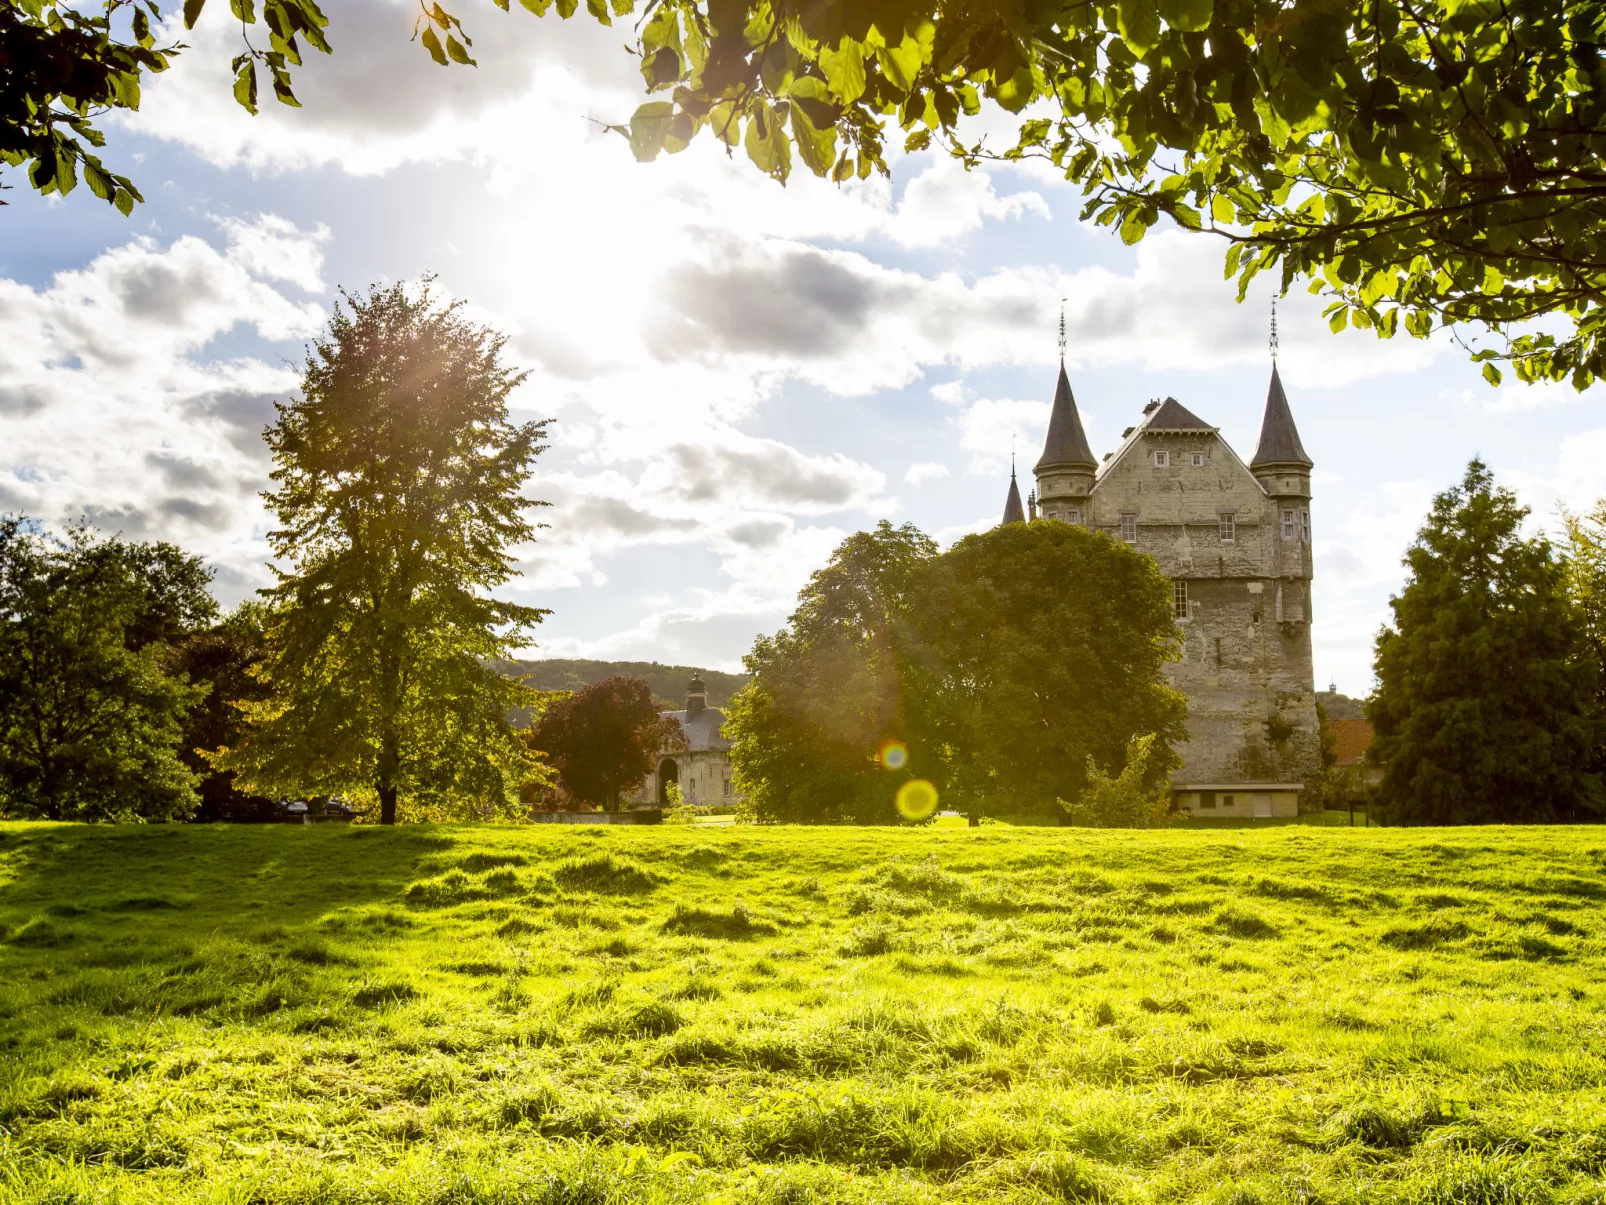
[1491,373]
[1189,15]
[1139,24]
[192,11]
[433,45]
[456,51]
[900,63]
[648,126]
[245,87]
[844,70]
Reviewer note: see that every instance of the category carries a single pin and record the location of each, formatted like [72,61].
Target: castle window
[727,788]
[1198,463]
[1179,599]
[1226,801]
[1129,527]
[1304,525]
[1073,514]
[1288,525]
[1229,527]
[1162,460]
[1207,799]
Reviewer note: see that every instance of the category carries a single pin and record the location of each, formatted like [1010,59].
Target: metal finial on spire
[1274,328]
[1012,457]
[1062,330]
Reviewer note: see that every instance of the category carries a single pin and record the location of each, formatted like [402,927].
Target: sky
[738,374]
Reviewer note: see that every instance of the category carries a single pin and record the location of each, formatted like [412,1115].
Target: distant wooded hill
[668,682]
[1340,707]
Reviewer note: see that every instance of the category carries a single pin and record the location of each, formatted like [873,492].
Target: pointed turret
[1279,446]
[1066,445]
[1066,469]
[1014,512]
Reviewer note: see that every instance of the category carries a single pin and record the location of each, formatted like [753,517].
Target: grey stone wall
[1246,666]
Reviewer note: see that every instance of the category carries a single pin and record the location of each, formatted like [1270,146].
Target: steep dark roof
[1279,438]
[1067,442]
[1014,512]
[1172,415]
[701,729]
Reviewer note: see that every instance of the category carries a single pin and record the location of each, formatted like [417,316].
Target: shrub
[1137,797]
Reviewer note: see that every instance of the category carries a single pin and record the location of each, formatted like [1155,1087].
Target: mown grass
[1306,1016]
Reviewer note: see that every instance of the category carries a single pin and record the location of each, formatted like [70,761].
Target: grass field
[1300,1015]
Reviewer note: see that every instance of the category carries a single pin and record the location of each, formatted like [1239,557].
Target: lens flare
[894,755]
[917,799]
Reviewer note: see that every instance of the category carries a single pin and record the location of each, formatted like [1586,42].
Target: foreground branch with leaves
[1422,163]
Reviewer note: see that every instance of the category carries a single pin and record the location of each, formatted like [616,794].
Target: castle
[1234,540]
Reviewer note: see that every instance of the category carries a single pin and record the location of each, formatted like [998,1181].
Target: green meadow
[576,1016]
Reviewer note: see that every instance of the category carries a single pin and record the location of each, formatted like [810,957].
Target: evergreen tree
[399,502]
[91,711]
[1485,702]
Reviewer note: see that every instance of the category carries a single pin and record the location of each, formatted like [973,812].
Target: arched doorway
[668,772]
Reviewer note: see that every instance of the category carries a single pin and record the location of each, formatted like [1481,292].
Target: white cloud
[919,474]
[989,427]
[945,201]
[112,408]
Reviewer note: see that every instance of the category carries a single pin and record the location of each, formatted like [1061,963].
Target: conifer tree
[399,500]
[1485,703]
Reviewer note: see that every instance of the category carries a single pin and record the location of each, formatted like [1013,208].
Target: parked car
[290,811]
[334,807]
[317,810]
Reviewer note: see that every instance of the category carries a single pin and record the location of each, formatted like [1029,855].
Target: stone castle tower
[1235,541]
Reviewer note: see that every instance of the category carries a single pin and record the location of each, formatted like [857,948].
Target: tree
[1137,797]
[1422,162]
[1485,705]
[399,479]
[1042,647]
[90,714]
[826,691]
[224,658]
[604,738]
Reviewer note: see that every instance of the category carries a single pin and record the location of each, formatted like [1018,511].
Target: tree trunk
[387,803]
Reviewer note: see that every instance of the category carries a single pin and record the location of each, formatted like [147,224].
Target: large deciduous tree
[604,738]
[1000,667]
[224,658]
[1421,162]
[91,710]
[399,480]
[826,691]
[1485,706]
[1042,647]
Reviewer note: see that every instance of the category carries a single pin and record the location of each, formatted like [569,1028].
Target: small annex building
[702,767]
[1235,541]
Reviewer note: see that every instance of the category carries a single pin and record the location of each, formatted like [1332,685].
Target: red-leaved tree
[604,738]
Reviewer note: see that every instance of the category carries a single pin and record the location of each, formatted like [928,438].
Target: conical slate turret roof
[1014,512]
[1279,438]
[1067,442]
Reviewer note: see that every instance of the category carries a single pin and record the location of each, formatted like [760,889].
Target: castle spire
[1066,445]
[1014,512]
[1279,438]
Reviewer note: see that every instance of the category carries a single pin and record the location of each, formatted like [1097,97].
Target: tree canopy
[604,738]
[91,708]
[1421,162]
[826,691]
[1485,707]
[399,481]
[999,671]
